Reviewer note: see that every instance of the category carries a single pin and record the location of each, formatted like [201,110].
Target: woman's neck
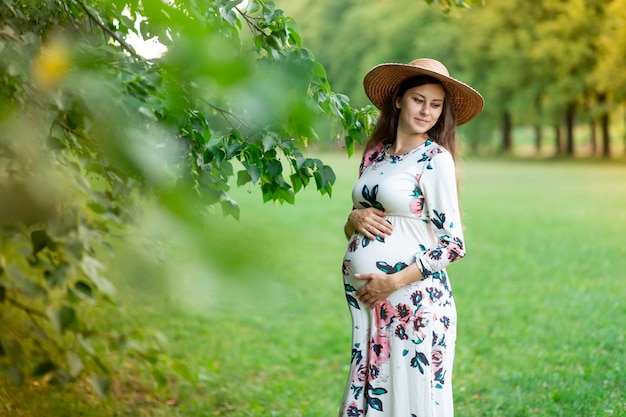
[405,144]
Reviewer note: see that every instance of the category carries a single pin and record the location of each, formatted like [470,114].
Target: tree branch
[29,311]
[71,19]
[108,31]
[225,113]
[250,21]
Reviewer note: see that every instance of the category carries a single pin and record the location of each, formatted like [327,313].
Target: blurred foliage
[89,128]
[536,63]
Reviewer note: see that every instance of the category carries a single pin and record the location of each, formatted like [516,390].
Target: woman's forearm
[408,276]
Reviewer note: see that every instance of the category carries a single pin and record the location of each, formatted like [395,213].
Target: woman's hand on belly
[380,285]
[370,222]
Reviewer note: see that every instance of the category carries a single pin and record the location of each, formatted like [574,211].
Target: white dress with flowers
[403,349]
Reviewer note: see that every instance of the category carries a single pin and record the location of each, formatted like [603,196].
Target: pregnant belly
[388,257]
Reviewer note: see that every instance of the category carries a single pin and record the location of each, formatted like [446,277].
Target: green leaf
[253,171]
[274,168]
[58,275]
[349,145]
[91,267]
[101,385]
[27,287]
[296,182]
[75,363]
[269,143]
[243,178]
[13,374]
[62,318]
[101,364]
[83,288]
[253,7]
[43,368]
[14,351]
[230,208]
[60,377]
[86,344]
[159,377]
[319,72]
[287,195]
[39,240]
[294,32]
[183,370]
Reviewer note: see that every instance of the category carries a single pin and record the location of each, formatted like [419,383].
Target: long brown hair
[443,132]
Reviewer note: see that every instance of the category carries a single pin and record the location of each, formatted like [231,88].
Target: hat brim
[380,82]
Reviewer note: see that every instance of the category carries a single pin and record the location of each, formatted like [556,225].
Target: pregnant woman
[404,229]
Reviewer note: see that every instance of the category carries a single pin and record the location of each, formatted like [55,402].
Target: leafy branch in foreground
[89,127]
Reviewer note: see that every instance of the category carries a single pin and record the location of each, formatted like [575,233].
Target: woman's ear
[398,103]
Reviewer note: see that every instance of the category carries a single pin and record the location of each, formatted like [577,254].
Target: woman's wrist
[407,276]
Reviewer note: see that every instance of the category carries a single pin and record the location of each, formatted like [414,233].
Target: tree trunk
[606,136]
[507,128]
[593,137]
[604,128]
[538,138]
[538,129]
[569,129]
[558,147]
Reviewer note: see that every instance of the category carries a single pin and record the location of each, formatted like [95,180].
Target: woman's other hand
[379,287]
[370,222]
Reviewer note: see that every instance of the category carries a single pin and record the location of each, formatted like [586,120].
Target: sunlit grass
[540,295]
[264,325]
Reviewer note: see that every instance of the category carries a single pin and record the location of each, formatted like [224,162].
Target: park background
[148,308]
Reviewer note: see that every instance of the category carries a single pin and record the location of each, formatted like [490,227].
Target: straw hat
[382,79]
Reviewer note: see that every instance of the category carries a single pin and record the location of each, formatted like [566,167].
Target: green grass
[257,308]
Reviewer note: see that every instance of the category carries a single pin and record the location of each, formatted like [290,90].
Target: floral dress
[403,348]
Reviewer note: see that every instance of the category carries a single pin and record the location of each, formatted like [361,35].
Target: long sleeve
[438,185]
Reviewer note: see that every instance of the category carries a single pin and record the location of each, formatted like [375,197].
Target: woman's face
[420,108]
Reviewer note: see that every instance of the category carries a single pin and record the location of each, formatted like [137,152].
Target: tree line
[553,68]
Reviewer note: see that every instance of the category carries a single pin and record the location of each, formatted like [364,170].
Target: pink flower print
[401,332]
[446,322]
[437,364]
[374,371]
[346,269]
[353,410]
[380,350]
[434,151]
[361,373]
[418,177]
[417,206]
[370,157]
[354,244]
[384,314]
[419,323]
[455,250]
[403,312]
[416,298]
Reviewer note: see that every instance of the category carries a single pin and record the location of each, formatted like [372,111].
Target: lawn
[257,310]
